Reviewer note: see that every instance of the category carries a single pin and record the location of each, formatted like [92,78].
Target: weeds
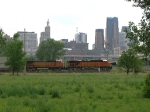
[90,89]
[72,92]
[41,91]
[120,95]
[77,88]
[55,93]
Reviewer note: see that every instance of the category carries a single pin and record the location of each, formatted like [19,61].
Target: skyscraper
[99,39]
[45,35]
[81,37]
[124,28]
[30,40]
[112,33]
[123,41]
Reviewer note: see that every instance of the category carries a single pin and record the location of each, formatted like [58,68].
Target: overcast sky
[65,16]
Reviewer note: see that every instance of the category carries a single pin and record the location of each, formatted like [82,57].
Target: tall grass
[73,92]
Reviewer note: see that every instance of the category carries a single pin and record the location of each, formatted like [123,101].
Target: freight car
[68,65]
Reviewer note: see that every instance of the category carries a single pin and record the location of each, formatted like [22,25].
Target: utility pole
[24,51]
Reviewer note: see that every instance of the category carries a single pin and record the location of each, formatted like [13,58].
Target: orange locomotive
[51,65]
[92,64]
[69,65]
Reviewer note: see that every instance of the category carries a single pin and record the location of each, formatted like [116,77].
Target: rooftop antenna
[48,22]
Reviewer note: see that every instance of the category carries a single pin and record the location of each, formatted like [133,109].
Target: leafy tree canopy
[140,34]
[31,58]
[2,41]
[15,55]
[140,3]
[50,50]
[129,60]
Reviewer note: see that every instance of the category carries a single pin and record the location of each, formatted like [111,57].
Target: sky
[65,16]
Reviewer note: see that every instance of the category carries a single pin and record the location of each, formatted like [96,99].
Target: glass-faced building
[112,33]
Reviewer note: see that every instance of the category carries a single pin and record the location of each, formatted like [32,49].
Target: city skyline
[64,16]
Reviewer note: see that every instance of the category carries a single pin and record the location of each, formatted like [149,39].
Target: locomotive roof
[43,61]
[86,61]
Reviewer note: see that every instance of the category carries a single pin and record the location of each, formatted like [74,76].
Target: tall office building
[93,46]
[81,37]
[123,41]
[31,42]
[124,28]
[112,33]
[99,40]
[45,35]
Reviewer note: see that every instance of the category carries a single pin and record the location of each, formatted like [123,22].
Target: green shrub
[146,88]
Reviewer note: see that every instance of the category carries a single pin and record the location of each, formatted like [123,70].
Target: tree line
[49,49]
[139,36]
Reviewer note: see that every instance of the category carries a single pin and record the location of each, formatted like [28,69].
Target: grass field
[73,92]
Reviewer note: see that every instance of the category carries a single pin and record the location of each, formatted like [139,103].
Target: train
[67,65]
[103,65]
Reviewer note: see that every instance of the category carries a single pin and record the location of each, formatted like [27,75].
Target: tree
[2,42]
[31,58]
[50,50]
[129,60]
[140,3]
[140,34]
[15,55]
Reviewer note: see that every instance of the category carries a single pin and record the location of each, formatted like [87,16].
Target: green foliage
[90,89]
[129,60]
[30,93]
[31,58]
[139,35]
[50,50]
[146,88]
[55,93]
[42,91]
[15,55]
[77,88]
[2,42]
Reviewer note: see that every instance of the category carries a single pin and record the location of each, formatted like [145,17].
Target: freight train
[71,65]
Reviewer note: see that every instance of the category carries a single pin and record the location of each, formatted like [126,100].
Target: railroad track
[66,71]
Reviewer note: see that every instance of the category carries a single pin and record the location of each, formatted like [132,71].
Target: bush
[146,88]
